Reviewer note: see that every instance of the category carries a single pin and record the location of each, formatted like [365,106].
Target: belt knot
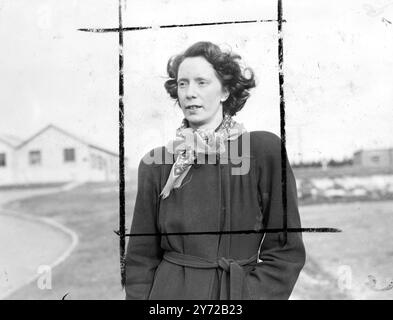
[225,263]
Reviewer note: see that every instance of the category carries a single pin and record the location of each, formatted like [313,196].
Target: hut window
[69,155]
[3,160]
[35,157]
[375,159]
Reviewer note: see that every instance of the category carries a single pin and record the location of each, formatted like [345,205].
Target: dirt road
[29,247]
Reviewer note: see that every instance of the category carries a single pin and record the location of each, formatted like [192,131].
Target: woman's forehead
[195,67]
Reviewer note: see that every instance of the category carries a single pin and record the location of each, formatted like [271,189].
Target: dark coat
[215,266]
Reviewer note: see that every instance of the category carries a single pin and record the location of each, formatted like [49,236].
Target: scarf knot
[190,143]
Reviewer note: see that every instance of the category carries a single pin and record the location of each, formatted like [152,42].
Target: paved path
[26,243]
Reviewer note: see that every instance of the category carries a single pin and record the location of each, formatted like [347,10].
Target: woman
[192,193]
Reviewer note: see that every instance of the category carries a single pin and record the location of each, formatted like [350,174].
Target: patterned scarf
[191,142]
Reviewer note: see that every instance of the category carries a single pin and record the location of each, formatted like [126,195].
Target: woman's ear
[225,95]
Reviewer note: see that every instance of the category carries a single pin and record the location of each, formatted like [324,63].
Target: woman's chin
[194,118]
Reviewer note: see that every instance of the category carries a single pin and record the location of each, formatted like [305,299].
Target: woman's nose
[190,91]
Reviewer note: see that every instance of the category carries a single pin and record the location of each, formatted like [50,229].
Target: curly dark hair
[228,70]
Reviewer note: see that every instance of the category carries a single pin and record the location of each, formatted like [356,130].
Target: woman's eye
[202,83]
[181,84]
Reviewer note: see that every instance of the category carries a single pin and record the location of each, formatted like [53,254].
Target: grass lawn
[363,248]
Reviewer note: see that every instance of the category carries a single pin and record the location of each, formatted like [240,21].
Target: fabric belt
[231,269]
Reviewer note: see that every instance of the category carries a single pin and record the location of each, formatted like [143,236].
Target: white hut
[55,155]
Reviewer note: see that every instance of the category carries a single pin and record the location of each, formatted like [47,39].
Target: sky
[338,63]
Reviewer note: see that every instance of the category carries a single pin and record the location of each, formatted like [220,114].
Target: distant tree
[340,163]
[318,164]
[309,164]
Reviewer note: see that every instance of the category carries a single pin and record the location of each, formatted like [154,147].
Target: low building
[374,158]
[55,155]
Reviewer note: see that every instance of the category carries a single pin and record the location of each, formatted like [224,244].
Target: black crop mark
[251,231]
[106,30]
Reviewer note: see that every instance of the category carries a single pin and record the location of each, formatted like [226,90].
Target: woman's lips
[193,107]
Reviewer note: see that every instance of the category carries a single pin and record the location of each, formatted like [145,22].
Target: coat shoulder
[152,161]
[265,144]
[157,156]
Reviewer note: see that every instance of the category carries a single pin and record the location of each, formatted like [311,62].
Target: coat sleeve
[275,276]
[144,253]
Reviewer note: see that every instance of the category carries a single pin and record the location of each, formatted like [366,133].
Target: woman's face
[200,93]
